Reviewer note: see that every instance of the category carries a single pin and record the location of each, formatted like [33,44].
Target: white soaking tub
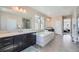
[44,37]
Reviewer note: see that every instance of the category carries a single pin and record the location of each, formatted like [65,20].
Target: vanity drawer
[8,48]
[30,39]
[6,39]
[5,42]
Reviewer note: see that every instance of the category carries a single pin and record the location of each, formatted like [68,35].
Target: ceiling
[55,10]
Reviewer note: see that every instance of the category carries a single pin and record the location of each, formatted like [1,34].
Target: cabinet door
[18,43]
[31,38]
[6,44]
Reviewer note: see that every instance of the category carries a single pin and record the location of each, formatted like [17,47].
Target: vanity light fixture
[19,9]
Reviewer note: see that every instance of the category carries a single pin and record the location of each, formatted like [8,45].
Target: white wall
[56,23]
[74,25]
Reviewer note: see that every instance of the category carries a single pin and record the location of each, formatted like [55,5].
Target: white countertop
[7,34]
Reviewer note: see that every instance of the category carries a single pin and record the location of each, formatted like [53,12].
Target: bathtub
[44,37]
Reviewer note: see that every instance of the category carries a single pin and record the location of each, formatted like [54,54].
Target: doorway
[67,25]
[67,28]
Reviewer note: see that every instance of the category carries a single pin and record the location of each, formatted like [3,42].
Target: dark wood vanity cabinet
[30,39]
[17,43]
[6,44]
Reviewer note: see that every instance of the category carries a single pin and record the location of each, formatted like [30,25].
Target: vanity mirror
[26,23]
[9,20]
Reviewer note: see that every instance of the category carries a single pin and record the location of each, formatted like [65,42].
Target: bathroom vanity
[15,42]
[16,36]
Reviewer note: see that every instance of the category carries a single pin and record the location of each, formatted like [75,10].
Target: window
[39,22]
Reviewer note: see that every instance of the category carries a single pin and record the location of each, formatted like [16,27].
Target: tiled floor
[60,44]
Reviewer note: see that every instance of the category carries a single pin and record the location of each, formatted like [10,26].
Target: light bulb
[16,8]
[24,11]
[21,10]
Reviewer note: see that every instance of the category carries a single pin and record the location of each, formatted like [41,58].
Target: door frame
[63,17]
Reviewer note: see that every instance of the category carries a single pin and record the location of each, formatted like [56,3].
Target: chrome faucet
[19,28]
